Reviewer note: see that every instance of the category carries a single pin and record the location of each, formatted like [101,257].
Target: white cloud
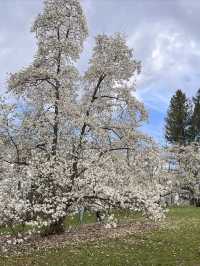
[170,62]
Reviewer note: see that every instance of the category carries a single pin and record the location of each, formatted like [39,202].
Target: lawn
[176,242]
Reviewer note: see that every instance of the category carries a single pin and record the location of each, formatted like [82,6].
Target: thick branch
[101,78]
[56,112]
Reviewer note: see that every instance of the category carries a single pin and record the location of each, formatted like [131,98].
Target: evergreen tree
[177,128]
[195,121]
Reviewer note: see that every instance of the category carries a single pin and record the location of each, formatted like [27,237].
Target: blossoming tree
[188,169]
[77,139]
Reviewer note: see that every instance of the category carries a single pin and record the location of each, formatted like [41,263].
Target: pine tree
[195,121]
[177,128]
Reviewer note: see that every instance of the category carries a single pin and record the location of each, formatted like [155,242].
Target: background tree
[195,121]
[187,174]
[177,128]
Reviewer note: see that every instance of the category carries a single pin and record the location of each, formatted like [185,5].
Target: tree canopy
[177,127]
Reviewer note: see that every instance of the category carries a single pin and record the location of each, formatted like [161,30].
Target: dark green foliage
[178,120]
[195,121]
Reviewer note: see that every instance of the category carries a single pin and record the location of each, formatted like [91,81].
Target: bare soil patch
[81,234]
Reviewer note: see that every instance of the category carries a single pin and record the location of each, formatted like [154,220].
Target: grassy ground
[121,215]
[177,242]
[73,221]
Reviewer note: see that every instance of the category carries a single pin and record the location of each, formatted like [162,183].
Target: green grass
[121,215]
[16,229]
[73,221]
[177,242]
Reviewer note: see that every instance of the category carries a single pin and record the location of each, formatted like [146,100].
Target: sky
[163,33]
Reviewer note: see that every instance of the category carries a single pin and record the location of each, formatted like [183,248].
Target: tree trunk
[54,228]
